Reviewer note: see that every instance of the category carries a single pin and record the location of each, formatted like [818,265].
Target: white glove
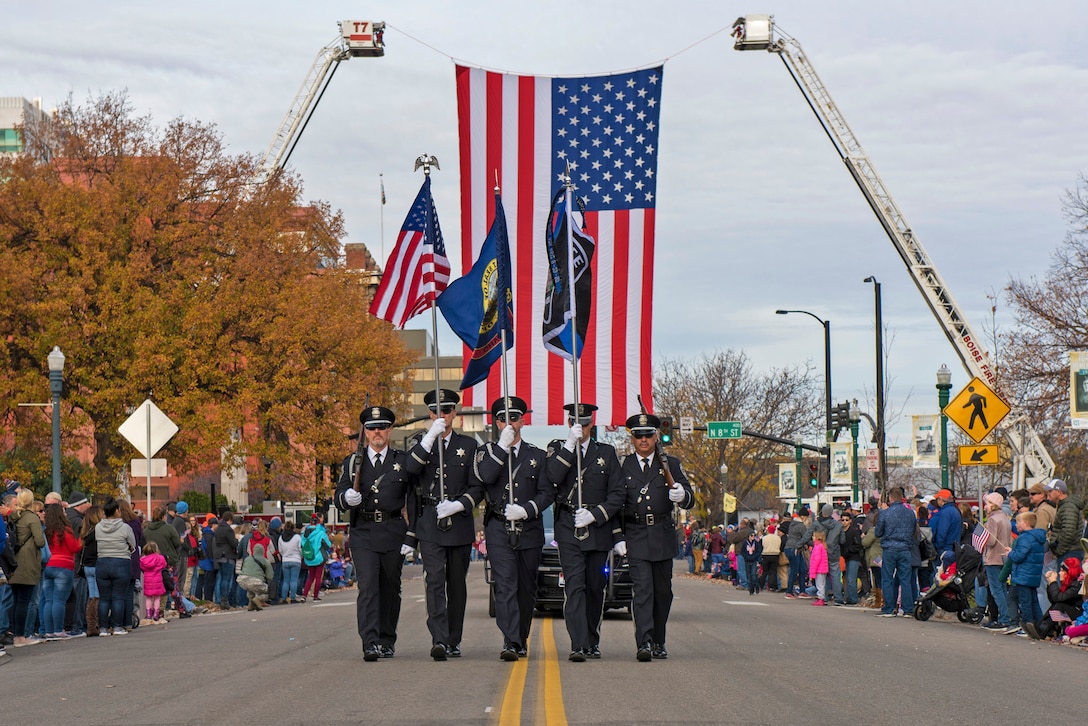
[676,494]
[437,431]
[406,550]
[353,498]
[620,548]
[446,508]
[583,517]
[506,439]
[515,512]
[573,437]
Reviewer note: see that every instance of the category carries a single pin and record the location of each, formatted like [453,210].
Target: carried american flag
[527,129]
[980,537]
[418,270]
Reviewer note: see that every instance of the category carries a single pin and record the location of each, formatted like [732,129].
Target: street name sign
[977,410]
[723,429]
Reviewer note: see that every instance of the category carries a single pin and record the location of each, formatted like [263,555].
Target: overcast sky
[972,112]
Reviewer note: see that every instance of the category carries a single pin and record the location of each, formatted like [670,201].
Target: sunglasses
[446,408]
[378,427]
[644,435]
[514,417]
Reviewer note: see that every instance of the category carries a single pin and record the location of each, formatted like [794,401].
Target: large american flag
[527,129]
[418,269]
[980,537]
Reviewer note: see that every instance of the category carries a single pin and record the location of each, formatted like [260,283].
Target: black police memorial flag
[479,305]
[566,320]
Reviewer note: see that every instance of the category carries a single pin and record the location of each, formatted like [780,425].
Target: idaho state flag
[479,305]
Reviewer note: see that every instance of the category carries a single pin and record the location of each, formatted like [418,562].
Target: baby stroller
[951,595]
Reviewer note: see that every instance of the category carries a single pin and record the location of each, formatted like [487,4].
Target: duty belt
[429,501]
[564,508]
[497,511]
[649,519]
[378,515]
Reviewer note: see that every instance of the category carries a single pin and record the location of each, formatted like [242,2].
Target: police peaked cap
[517,405]
[445,396]
[377,415]
[584,410]
[643,422]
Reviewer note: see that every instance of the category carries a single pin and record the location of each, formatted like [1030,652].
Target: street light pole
[724,477]
[944,385]
[855,420]
[56,384]
[880,439]
[827,364]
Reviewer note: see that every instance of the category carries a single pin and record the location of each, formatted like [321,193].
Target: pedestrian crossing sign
[977,410]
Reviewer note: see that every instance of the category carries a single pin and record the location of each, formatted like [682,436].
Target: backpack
[309,550]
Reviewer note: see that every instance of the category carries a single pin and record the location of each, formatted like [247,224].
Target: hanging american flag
[527,128]
[418,270]
[980,537]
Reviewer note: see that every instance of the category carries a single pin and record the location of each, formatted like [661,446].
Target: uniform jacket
[457,459]
[602,494]
[646,494]
[387,489]
[531,489]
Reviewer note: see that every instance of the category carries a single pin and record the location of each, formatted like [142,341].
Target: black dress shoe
[594,652]
[658,651]
[372,653]
[578,655]
[453,651]
[387,651]
[644,653]
[509,652]
[522,652]
[438,651]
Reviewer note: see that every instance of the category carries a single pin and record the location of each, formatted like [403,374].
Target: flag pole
[381,214]
[511,527]
[579,532]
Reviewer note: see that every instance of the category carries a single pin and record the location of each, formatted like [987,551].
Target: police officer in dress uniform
[443,525]
[513,529]
[379,533]
[584,558]
[650,533]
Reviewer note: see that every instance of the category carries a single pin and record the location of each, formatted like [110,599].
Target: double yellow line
[548,705]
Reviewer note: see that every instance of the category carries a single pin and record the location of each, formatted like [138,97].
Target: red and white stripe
[505,125]
[413,277]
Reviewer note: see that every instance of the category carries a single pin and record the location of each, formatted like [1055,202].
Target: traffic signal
[813,475]
[840,418]
[666,430]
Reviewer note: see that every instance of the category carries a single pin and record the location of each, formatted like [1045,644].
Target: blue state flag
[479,305]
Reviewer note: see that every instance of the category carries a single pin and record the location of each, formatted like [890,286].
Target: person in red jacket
[59,572]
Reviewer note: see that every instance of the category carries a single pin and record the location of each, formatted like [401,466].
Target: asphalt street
[733,658]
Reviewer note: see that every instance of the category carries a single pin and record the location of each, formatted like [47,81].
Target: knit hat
[276,523]
[993,499]
[826,510]
[182,508]
[770,529]
[76,498]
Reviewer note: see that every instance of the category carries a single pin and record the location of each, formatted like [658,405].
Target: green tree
[162,269]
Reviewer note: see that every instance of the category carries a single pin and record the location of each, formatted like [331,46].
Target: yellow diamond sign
[977,410]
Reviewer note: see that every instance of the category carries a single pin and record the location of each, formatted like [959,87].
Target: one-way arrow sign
[978,455]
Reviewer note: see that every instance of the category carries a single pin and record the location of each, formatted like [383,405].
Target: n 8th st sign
[723,429]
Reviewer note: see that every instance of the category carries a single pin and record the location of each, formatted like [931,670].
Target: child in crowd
[336,570]
[1026,557]
[152,564]
[818,566]
[752,553]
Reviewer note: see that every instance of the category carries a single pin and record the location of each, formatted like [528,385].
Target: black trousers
[445,570]
[377,607]
[652,599]
[514,573]
[583,601]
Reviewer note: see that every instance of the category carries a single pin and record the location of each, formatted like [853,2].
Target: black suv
[549,578]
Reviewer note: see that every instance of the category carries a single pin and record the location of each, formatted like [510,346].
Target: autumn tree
[723,386]
[163,266]
[1052,319]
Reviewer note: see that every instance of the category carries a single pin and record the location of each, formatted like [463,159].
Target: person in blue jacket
[1027,555]
[946,525]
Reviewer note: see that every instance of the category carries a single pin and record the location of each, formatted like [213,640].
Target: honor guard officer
[443,525]
[517,492]
[650,532]
[374,487]
[585,526]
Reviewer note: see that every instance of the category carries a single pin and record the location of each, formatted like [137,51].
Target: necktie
[514,451]
[377,460]
[645,464]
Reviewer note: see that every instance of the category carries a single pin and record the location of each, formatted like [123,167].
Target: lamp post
[880,440]
[855,420]
[56,385]
[944,385]
[827,363]
[723,472]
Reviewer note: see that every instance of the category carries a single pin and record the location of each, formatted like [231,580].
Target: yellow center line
[554,712]
[510,714]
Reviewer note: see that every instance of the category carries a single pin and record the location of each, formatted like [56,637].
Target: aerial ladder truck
[357,39]
[1031,461]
